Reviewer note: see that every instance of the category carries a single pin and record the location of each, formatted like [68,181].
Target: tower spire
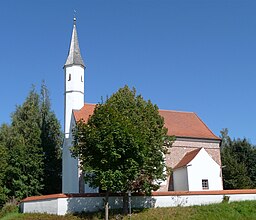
[74,55]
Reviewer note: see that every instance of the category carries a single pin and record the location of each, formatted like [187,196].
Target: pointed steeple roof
[74,55]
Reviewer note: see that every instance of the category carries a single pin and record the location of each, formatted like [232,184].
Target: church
[194,156]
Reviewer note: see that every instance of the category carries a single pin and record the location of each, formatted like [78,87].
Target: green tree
[25,161]
[235,175]
[3,166]
[239,162]
[121,147]
[31,148]
[225,139]
[51,142]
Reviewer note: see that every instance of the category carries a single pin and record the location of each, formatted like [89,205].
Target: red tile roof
[186,124]
[187,158]
[179,124]
[85,112]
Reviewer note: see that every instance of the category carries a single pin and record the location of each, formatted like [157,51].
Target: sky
[186,55]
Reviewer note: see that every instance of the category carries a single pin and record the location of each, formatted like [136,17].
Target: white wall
[74,99]
[70,171]
[70,174]
[204,167]
[49,206]
[180,179]
[74,93]
[70,168]
[62,206]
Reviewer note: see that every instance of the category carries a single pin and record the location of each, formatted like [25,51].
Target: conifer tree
[3,166]
[51,141]
[30,149]
[238,158]
[25,161]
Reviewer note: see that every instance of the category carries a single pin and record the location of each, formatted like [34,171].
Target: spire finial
[74,19]
[74,55]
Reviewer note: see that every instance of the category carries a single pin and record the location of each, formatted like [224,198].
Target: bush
[9,207]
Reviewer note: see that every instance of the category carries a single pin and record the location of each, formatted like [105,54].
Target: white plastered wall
[70,171]
[74,100]
[74,93]
[204,167]
[62,206]
[180,179]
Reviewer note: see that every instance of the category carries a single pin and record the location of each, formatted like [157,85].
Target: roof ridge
[180,111]
[90,104]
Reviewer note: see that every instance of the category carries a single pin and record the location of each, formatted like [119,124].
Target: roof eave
[199,138]
[73,64]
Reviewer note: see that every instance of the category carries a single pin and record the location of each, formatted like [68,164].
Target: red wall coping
[170,193]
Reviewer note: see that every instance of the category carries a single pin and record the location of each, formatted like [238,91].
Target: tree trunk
[125,203]
[106,205]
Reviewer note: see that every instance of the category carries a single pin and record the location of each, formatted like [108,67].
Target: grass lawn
[224,211]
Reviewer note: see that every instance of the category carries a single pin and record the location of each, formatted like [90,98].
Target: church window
[81,78]
[69,77]
[205,184]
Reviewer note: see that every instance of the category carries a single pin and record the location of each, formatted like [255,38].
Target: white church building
[194,155]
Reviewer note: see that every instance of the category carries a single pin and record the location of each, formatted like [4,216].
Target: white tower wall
[74,100]
[74,93]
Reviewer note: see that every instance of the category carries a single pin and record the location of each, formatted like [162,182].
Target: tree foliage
[26,145]
[25,171]
[120,148]
[51,142]
[239,162]
[3,167]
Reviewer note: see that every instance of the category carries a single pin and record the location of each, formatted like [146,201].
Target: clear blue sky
[184,55]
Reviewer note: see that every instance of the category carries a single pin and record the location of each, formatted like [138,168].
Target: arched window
[69,77]
[81,78]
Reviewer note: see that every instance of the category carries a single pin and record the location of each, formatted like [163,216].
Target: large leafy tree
[121,147]
[239,162]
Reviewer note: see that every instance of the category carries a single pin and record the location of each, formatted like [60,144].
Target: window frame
[205,184]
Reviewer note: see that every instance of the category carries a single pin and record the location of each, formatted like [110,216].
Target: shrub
[9,207]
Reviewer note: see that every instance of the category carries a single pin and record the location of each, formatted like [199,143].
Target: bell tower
[74,80]
[73,100]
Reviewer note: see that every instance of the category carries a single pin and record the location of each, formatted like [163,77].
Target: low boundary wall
[62,204]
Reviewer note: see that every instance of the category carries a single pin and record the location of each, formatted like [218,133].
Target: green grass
[12,216]
[224,211]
